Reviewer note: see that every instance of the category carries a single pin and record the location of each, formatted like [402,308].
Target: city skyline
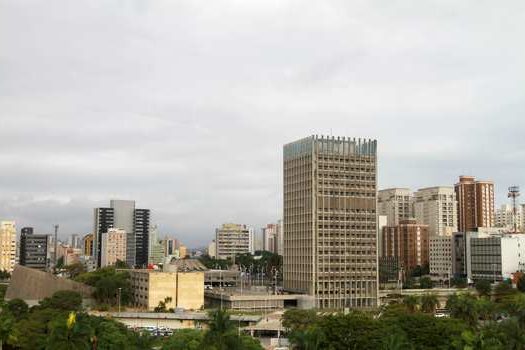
[184,110]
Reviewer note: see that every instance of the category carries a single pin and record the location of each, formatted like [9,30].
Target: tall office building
[136,222]
[33,249]
[141,229]
[330,216]
[409,242]
[7,245]
[396,204]
[233,239]
[437,207]
[75,241]
[475,203]
[113,247]
[155,249]
[270,236]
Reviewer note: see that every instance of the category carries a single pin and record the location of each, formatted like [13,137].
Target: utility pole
[56,248]
[119,294]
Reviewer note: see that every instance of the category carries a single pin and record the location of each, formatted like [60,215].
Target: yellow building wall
[190,291]
[162,285]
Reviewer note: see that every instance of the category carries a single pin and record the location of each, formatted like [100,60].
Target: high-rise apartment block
[440,258]
[270,238]
[7,245]
[113,247]
[233,239]
[437,208]
[33,249]
[396,204]
[330,215]
[407,241]
[87,244]
[123,215]
[505,217]
[475,203]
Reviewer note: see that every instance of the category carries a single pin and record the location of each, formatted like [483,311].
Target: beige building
[440,257]
[113,247]
[149,287]
[87,244]
[7,245]
[505,217]
[233,239]
[330,223]
[212,249]
[475,203]
[437,208]
[396,204]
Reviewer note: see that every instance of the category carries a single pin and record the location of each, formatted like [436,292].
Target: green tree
[411,302]
[63,300]
[68,334]
[483,287]
[184,339]
[18,308]
[162,305]
[425,283]
[7,322]
[463,307]
[429,303]
[396,341]
[31,333]
[521,283]
[459,282]
[485,308]
[296,319]
[503,290]
[75,269]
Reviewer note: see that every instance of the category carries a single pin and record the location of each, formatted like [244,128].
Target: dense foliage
[59,323]
[107,282]
[476,322]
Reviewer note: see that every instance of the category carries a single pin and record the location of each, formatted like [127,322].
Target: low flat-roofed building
[150,287]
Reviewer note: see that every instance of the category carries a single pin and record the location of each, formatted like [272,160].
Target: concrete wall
[162,285]
[190,291]
[34,285]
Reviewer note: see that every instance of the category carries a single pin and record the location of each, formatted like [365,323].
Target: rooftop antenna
[514,193]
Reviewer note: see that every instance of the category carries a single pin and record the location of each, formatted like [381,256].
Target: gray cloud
[184,106]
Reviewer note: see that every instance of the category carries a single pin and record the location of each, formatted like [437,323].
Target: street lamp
[119,294]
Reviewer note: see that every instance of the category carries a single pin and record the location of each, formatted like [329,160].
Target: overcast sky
[184,105]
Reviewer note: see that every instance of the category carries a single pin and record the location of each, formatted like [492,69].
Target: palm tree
[220,331]
[411,302]
[429,303]
[69,335]
[463,307]
[396,341]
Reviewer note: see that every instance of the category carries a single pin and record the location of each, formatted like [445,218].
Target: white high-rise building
[7,245]
[437,207]
[270,233]
[396,204]
[505,217]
